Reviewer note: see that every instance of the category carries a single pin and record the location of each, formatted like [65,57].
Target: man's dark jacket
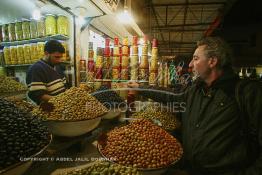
[213,135]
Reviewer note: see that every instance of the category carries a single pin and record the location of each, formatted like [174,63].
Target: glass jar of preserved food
[13,56]
[62,25]
[34,53]
[20,54]
[18,30]
[5,32]
[50,24]
[27,54]
[11,31]
[26,29]
[7,55]
[33,28]
[41,27]
[40,49]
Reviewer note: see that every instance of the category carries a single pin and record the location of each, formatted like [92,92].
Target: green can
[33,28]
[50,25]
[26,29]
[5,33]
[41,28]
[18,30]
[11,32]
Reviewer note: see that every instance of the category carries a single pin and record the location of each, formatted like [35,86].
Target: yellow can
[7,56]
[34,52]
[124,74]
[13,56]
[144,62]
[144,50]
[125,41]
[40,49]
[116,62]
[125,50]
[62,25]
[125,61]
[50,24]
[134,74]
[115,74]
[153,78]
[134,61]
[154,51]
[20,54]
[116,51]
[134,50]
[27,53]
[99,61]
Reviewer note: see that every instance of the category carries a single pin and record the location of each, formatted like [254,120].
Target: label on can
[115,74]
[124,50]
[125,61]
[116,62]
[124,74]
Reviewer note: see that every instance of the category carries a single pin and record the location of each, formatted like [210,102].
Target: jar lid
[49,14]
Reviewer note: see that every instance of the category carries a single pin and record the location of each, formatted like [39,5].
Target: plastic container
[33,28]
[11,32]
[26,29]
[50,24]
[20,54]
[62,25]
[18,30]
[40,28]
[7,56]
[5,33]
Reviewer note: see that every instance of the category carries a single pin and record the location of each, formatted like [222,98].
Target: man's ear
[213,61]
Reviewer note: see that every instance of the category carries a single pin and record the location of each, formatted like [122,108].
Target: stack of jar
[160,75]
[23,54]
[134,60]
[125,60]
[99,63]
[154,64]
[30,29]
[143,67]
[107,60]
[116,60]
[90,63]
[56,26]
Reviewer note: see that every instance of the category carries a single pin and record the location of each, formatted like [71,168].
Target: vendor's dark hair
[52,46]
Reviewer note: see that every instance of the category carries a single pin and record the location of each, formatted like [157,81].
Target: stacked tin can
[160,75]
[153,68]
[107,60]
[134,60]
[90,63]
[125,60]
[116,60]
[99,63]
[143,67]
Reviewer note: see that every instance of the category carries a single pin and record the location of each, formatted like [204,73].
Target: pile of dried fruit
[167,119]
[8,85]
[105,168]
[74,104]
[21,134]
[141,144]
[109,98]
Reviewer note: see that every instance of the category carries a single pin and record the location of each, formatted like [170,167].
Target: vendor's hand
[132,84]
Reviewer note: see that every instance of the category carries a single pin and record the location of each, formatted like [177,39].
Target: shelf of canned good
[35,40]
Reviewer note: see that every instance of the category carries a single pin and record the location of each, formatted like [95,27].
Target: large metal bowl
[144,171]
[21,167]
[113,113]
[72,128]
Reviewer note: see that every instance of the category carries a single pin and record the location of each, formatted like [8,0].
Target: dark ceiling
[179,24]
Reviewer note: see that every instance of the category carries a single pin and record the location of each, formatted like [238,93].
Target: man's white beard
[196,76]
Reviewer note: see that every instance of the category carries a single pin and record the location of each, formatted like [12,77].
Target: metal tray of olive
[72,128]
[21,167]
[143,171]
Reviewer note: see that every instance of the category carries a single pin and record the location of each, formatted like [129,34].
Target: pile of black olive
[21,135]
[109,98]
